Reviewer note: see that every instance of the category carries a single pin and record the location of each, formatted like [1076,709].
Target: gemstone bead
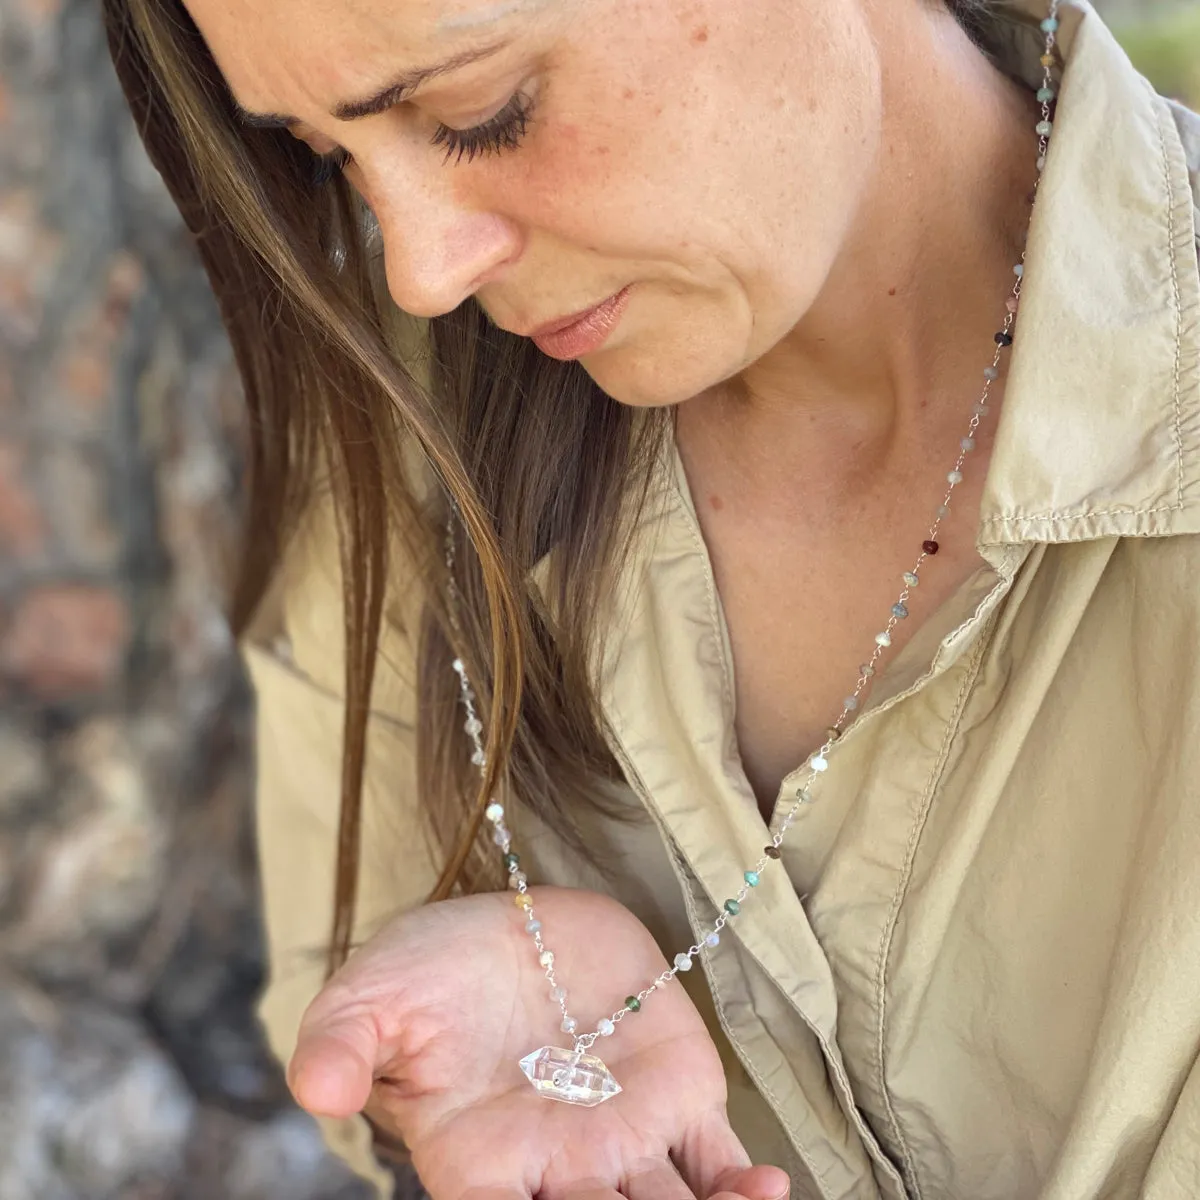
[1041,162]
[943,510]
[751,877]
[968,443]
[512,861]
[523,900]
[473,725]
[955,477]
[883,639]
[569,1025]
[534,926]
[1003,339]
[494,813]
[732,907]
[558,994]
[1019,270]
[930,547]
[772,851]
[713,939]
[899,610]
[1050,24]
[478,758]
[683,962]
[633,1003]
[833,732]
[820,763]
[1047,60]
[546,958]
[459,666]
[911,579]
[866,670]
[605,1027]
[1045,93]
[501,838]
[1011,304]
[517,878]
[1043,128]
[850,703]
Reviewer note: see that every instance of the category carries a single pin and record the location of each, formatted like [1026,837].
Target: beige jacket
[979,978]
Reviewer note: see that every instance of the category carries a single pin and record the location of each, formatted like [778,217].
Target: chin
[663,376]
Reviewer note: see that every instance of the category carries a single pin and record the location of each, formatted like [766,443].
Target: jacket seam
[1177,427]
[889,929]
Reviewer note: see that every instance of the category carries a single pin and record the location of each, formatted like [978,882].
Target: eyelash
[504,131]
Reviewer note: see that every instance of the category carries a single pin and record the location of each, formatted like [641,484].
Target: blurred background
[131,1067]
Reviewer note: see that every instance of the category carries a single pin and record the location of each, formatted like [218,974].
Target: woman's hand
[423,1029]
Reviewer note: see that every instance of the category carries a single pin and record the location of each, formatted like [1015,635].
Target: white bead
[991,372]
[683,962]
[911,579]
[605,1027]
[569,1025]
[494,813]
[713,939]
[1018,270]
[968,443]
[1041,162]
[534,926]
[473,725]
[942,510]
[883,639]
[501,838]
[558,994]
[850,703]
[820,763]
[516,879]
[954,477]
[546,958]
[478,758]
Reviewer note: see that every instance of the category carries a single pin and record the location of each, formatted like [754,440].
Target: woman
[622,375]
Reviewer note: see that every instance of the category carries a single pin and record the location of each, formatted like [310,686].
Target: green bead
[1049,25]
[512,862]
[751,877]
[732,907]
[1045,93]
[632,1003]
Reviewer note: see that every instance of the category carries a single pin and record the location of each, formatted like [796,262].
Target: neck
[901,330]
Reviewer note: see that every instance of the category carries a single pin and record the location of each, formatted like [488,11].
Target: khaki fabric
[979,976]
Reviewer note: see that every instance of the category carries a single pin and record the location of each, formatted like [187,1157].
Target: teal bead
[512,862]
[1050,24]
[732,907]
[1045,93]
[751,877]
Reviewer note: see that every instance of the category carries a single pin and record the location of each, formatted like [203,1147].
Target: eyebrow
[393,93]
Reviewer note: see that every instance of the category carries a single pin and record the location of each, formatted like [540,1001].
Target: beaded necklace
[574,1075]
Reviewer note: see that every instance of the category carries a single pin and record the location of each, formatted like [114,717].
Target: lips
[561,323]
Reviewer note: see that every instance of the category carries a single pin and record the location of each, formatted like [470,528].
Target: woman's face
[704,157]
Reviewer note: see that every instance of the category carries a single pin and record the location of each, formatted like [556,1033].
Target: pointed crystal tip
[587,1082]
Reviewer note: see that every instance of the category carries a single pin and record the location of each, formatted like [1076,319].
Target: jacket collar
[1099,434]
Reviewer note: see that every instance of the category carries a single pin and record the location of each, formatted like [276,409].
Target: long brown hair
[529,450]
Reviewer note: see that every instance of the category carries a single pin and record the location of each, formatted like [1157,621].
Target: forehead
[305,53]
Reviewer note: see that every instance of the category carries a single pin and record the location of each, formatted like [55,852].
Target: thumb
[752,1183]
[333,1066]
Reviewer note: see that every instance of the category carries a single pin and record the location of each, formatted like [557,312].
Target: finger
[709,1151]
[658,1182]
[753,1183]
[332,1069]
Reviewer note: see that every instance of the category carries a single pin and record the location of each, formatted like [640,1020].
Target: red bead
[929,547]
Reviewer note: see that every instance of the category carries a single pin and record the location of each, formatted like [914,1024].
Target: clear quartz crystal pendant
[565,1075]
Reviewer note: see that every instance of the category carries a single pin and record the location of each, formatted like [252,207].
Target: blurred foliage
[1165,47]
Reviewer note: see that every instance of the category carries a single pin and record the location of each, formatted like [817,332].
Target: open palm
[425,1025]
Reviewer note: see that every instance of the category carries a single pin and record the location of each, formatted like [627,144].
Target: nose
[439,248]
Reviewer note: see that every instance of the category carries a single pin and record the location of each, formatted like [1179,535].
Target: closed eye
[498,133]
